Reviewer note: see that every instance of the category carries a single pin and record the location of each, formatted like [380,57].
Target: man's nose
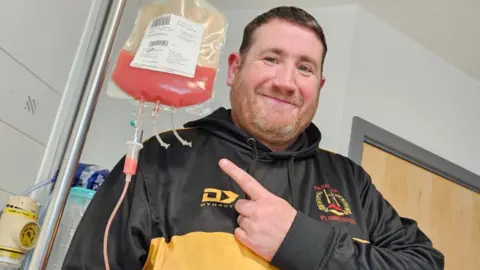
[285,78]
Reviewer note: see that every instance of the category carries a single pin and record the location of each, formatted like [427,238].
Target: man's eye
[305,69]
[270,59]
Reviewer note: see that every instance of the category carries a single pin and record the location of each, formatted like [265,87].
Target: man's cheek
[310,95]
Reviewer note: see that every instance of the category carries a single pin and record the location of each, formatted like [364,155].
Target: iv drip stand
[106,26]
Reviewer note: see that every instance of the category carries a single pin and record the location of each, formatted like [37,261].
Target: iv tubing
[130,168]
[154,120]
[35,187]
[184,142]
[107,230]
[32,189]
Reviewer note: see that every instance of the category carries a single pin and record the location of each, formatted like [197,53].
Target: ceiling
[448,28]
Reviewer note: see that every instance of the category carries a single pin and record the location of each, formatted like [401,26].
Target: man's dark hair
[291,14]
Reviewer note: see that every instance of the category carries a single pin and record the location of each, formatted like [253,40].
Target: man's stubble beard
[248,113]
[273,127]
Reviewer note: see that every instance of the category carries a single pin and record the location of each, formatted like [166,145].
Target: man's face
[275,87]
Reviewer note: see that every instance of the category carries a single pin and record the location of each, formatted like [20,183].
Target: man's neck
[274,147]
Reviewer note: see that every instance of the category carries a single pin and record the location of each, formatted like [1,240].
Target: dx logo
[213,197]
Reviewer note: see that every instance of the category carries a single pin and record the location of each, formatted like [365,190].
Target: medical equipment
[170,61]
[171,58]
[19,226]
[87,178]
[95,48]
[19,230]
[130,168]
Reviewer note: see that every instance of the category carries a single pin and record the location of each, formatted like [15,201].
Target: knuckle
[253,227]
[248,184]
[239,203]
[256,213]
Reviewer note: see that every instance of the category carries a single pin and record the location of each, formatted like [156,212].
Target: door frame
[366,132]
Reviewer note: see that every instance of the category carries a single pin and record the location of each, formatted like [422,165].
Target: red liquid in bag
[168,89]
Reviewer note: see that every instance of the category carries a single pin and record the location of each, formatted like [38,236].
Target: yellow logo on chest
[218,198]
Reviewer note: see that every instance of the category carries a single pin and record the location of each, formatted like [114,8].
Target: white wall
[448,28]
[110,128]
[338,24]
[38,40]
[404,88]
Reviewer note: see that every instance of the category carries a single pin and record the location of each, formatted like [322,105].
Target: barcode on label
[164,20]
[163,43]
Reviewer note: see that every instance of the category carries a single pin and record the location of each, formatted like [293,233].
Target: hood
[220,124]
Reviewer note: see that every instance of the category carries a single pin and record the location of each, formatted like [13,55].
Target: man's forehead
[295,41]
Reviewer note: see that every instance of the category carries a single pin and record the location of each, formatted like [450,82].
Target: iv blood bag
[172,55]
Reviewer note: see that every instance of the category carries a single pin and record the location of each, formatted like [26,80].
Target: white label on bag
[171,44]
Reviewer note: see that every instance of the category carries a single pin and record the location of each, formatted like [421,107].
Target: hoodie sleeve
[395,243]
[130,231]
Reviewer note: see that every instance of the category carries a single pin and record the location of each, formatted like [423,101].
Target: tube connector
[134,147]
[138,137]
[133,150]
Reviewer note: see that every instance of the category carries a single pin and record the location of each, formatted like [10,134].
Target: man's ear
[322,82]
[234,61]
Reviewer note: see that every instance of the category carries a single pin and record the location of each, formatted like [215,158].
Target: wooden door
[448,213]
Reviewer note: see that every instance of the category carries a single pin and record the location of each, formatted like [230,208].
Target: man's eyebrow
[303,57]
[273,50]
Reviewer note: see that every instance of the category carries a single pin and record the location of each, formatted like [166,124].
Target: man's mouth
[278,100]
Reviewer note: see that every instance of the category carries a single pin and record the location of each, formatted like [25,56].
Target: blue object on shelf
[87,176]
[82,193]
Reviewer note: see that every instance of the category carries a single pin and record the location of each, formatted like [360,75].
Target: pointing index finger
[243,179]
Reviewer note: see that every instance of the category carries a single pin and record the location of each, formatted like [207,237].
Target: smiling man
[276,80]
[254,191]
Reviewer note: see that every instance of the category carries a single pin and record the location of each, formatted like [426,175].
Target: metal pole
[70,161]
[72,94]
[74,90]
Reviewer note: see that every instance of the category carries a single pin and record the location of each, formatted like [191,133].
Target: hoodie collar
[220,124]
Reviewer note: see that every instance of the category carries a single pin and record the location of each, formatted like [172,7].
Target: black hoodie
[179,210]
